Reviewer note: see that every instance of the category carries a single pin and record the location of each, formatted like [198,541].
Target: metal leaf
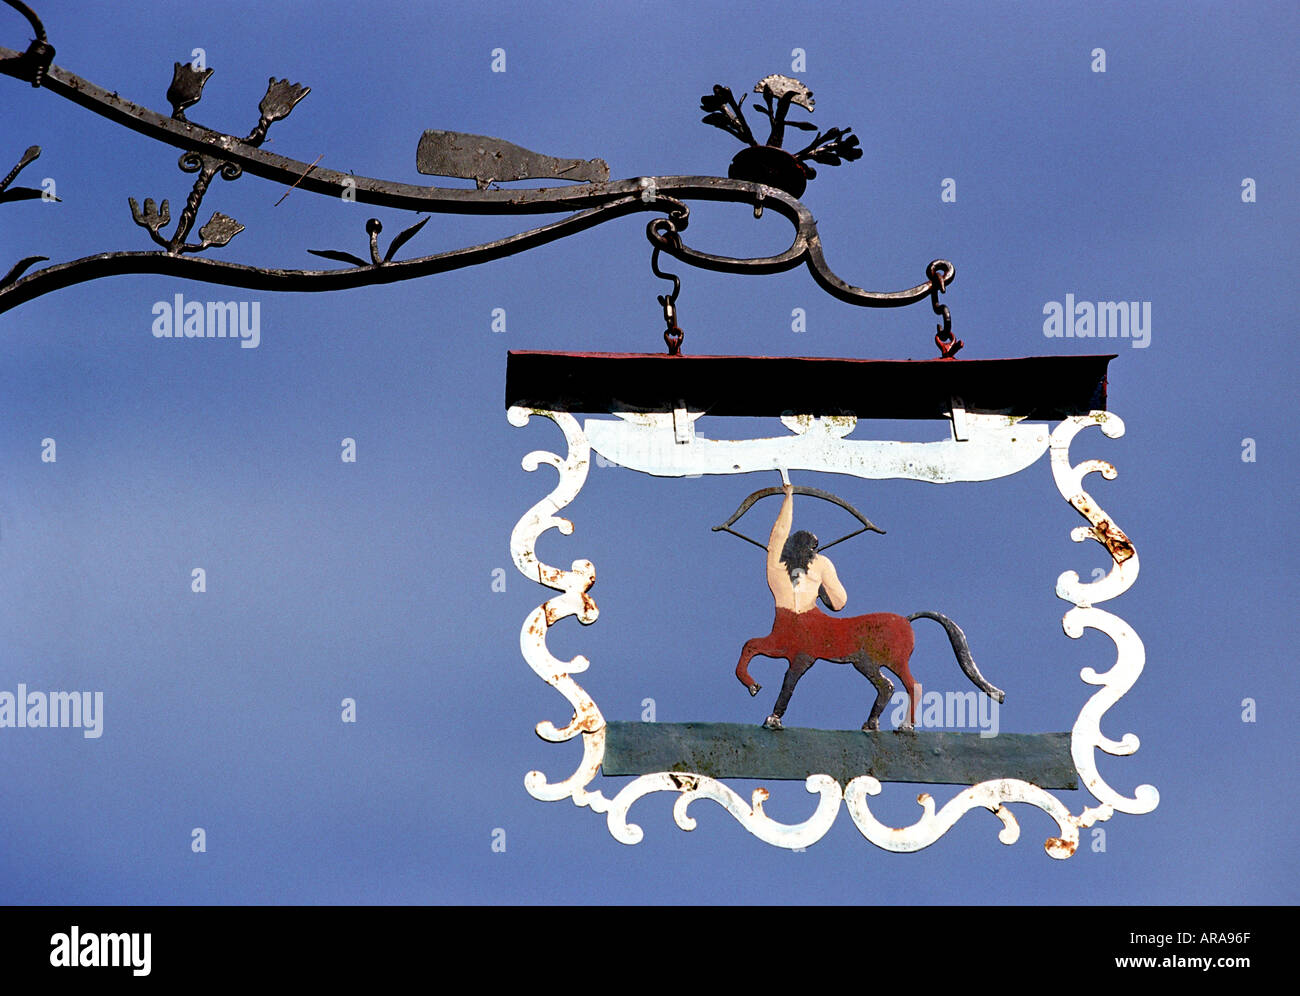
[21,194]
[187,88]
[727,113]
[343,257]
[220,229]
[16,270]
[715,101]
[831,147]
[152,217]
[33,152]
[403,238]
[281,98]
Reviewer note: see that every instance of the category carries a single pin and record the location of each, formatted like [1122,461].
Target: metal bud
[186,88]
[281,98]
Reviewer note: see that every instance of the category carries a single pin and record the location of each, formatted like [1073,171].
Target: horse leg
[799,664]
[884,688]
[904,673]
[759,646]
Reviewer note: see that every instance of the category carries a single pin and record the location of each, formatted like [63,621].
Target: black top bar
[1043,387]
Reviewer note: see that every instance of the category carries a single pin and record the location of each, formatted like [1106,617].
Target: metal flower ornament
[186,91]
[769,163]
[649,412]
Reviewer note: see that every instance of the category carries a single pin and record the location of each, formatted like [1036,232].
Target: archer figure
[802,634]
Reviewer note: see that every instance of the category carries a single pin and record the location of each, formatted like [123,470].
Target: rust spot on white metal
[1060,847]
[587,718]
[1108,534]
[845,422]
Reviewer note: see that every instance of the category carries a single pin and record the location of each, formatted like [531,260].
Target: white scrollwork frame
[993,795]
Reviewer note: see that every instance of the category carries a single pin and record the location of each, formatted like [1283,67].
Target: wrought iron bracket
[209,151]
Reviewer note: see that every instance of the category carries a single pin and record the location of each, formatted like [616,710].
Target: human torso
[797,595]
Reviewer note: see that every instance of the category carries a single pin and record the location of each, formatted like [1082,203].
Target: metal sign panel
[703,756]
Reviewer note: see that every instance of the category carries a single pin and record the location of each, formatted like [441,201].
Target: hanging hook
[671,299]
[940,272]
[663,229]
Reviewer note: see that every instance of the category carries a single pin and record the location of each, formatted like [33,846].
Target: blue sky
[373,580]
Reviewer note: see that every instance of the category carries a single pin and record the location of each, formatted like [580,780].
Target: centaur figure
[801,634]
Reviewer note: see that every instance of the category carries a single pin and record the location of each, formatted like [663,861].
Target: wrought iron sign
[999,414]
[650,414]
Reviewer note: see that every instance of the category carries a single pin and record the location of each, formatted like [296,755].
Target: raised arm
[781,529]
[778,581]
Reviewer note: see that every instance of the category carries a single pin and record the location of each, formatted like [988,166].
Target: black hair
[798,553]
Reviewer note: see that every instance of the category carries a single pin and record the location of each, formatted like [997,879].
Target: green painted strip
[732,750]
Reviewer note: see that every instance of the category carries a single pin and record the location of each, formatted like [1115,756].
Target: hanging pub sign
[652,414]
[1000,414]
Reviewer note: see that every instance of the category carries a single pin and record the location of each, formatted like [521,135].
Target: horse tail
[959,647]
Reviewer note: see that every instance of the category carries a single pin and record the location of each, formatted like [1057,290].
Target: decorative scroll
[573,601]
[1131,655]
[994,795]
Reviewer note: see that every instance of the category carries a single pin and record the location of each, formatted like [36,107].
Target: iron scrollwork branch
[210,153]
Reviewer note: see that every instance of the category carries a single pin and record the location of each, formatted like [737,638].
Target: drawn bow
[799,489]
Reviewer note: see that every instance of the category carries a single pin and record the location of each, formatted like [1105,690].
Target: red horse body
[869,643]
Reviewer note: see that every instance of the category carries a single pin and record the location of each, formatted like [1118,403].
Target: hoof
[773,722]
[755,688]
[870,726]
[907,726]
